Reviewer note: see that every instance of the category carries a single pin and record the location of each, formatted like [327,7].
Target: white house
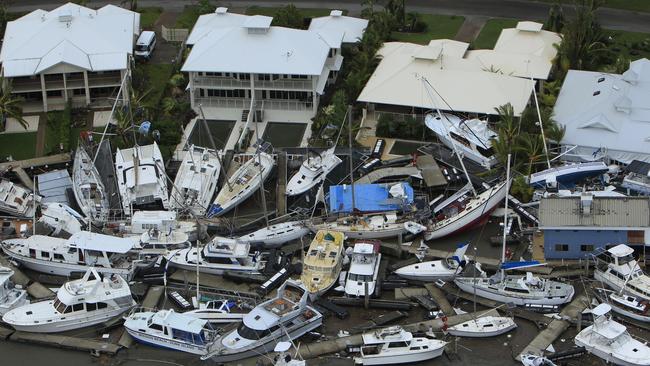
[353,28]
[70,53]
[240,63]
[606,115]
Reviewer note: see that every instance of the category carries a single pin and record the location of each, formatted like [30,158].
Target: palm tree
[125,116]
[412,19]
[11,105]
[532,146]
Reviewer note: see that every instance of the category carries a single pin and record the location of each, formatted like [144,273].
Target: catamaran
[16,200]
[617,268]
[88,188]
[312,171]
[322,263]
[443,269]
[141,178]
[196,180]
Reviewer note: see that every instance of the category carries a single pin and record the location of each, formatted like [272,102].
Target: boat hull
[411,273]
[606,354]
[70,323]
[215,270]
[412,356]
[15,298]
[65,269]
[519,301]
[172,344]
[617,285]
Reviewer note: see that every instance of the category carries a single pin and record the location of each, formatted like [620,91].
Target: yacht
[78,304]
[61,220]
[394,345]
[322,263]
[141,178]
[219,311]
[617,269]
[430,271]
[377,226]
[218,256]
[11,296]
[64,257]
[611,342]
[626,305]
[312,172]
[364,268]
[16,200]
[242,184]
[471,136]
[168,329]
[286,317]
[155,244]
[487,326]
[567,175]
[277,234]
[88,188]
[196,181]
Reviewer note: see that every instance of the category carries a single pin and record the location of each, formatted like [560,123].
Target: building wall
[575,239]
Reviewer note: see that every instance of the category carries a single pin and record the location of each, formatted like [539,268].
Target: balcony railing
[241,103]
[280,84]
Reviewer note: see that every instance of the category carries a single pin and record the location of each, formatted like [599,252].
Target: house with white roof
[71,53]
[353,28]
[240,63]
[606,115]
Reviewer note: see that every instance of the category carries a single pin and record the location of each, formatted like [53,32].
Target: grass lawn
[148,16]
[306,12]
[634,5]
[19,145]
[630,44]
[157,75]
[438,26]
[491,31]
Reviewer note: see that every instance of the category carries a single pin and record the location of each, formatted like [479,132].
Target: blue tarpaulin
[369,198]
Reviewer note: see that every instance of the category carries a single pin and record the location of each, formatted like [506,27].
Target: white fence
[174,34]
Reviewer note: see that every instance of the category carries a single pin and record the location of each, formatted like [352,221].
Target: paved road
[519,9]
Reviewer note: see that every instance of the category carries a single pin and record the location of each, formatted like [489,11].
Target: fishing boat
[322,263]
[61,220]
[16,200]
[611,342]
[277,234]
[429,271]
[64,257]
[394,345]
[286,317]
[487,326]
[141,178]
[617,269]
[470,136]
[219,311]
[567,175]
[196,180]
[218,256]
[626,305]
[88,188]
[89,301]
[378,226]
[171,330]
[11,295]
[534,360]
[364,268]
[242,184]
[312,171]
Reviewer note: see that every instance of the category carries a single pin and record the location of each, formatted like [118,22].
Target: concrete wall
[575,238]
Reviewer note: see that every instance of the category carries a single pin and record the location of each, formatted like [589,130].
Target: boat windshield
[625,259]
[59,306]
[359,277]
[253,334]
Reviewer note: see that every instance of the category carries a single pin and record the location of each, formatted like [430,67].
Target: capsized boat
[196,180]
[242,184]
[611,342]
[394,345]
[377,226]
[364,268]
[443,269]
[312,171]
[322,263]
[567,175]
[61,220]
[218,256]
[286,317]
[16,200]
[168,329]
[277,234]
[88,188]
[471,136]
[91,300]
[626,305]
[617,269]
[486,326]
[11,295]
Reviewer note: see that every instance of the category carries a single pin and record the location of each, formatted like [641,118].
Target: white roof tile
[353,28]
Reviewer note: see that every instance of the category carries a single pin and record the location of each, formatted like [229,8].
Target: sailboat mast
[505,218]
[259,162]
[350,147]
[541,125]
[214,146]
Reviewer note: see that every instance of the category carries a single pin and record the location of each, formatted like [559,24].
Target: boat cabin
[171,325]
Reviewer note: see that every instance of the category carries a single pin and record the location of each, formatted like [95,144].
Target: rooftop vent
[65,16]
[336,13]
[258,24]
[221,10]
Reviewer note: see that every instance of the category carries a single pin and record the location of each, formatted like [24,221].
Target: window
[59,306]
[32,253]
[91,307]
[54,93]
[78,92]
[397,344]
[77,307]
[156,327]
[587,248]
[561,247]
[600,80]
[102,305]
[45,254]
[597,92]
[68,309]
[58,256]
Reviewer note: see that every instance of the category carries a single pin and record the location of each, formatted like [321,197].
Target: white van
[145,44]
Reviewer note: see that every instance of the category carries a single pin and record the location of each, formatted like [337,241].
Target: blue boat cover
[524,264]
[368,198]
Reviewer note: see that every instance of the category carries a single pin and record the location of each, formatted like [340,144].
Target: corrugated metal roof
[53,185]
[605,212]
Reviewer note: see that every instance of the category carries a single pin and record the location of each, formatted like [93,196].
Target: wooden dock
[60,341]
[40,161]
[382,173]
[440,298]
[153,296]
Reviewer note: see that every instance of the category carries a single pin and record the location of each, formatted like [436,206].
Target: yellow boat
[322,263]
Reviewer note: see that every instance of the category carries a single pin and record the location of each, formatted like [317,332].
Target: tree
[555,20]
[532,147]
[289,16]
[137,110]
[11,105]
[397,9]
[205,7]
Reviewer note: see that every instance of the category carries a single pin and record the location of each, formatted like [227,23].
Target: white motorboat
[626,305]
[429,271]
[218,256]
[219,311]
[394,345]
[141,178]
[312,172]
[88,188]
[63,257]
[283,358]
[617,268]
[567,175]
[143,221]
[323,262]
[16,200]
[277,234]
[486,326]
[61,220]
[364,268]
[611,342]
[11,296]
[196,180]
[470,136]
[286,317]
[534,360]
[168,329]
[378,226]
[155,244]
[78,304]
[242,184]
